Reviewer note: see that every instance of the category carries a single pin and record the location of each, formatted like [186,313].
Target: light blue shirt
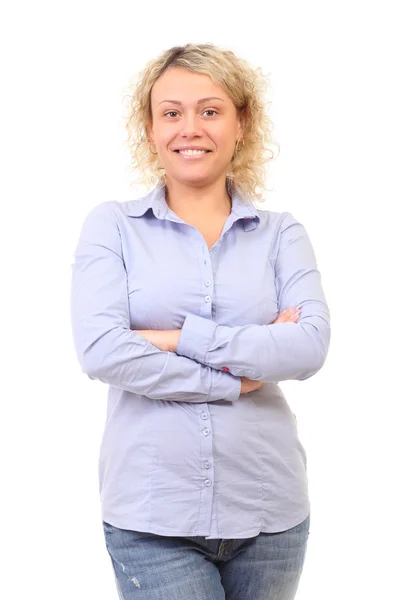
[183,453]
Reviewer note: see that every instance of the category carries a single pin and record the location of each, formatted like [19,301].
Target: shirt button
[207,464]
[207,482]
[206,431]
[207,298]
[208,283]
[204,415]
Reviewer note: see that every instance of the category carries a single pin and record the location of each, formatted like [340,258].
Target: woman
[180,302]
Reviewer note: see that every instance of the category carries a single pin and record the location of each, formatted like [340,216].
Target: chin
[192,179]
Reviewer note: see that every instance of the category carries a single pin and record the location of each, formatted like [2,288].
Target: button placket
[207,279]
[205,470]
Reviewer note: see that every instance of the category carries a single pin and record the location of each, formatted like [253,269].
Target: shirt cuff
[224,386]
[195,338]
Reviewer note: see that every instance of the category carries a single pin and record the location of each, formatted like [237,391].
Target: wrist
[173,340]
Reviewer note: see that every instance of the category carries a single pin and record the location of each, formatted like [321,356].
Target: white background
[335,105]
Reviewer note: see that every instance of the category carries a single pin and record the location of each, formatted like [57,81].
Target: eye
[173,113]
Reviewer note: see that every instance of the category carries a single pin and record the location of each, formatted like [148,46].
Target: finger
[292,312]
[288,315]
[285,314]
[295,316]
[282,316]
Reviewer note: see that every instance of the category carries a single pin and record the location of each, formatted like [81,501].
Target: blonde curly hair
[246,87]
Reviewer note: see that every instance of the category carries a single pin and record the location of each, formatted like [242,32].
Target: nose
[191,126]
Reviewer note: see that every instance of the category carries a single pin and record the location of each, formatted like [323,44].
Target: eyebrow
[199,102]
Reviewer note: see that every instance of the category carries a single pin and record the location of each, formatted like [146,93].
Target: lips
[191,148]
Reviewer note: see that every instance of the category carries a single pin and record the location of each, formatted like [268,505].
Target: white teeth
[192,152]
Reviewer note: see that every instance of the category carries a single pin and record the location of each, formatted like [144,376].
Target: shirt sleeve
[107,349]
[271,352]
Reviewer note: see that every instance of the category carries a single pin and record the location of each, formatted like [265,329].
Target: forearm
[267,353]
[124,359]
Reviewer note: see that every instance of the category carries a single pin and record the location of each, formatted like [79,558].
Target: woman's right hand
[248,385]
[290,315]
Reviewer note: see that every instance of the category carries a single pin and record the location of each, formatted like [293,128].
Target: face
[189,110]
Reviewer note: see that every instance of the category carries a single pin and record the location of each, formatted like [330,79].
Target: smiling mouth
[192,152]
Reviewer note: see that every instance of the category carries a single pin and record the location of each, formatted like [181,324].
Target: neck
[188,202]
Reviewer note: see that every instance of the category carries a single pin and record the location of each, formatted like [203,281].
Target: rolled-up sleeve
[271,352]
[106,348]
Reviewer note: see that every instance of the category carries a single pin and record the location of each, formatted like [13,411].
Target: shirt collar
[242,208]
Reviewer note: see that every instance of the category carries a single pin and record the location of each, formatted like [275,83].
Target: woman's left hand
[290,315]
[167,341]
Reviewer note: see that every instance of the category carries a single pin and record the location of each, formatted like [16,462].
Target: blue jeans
[156,567]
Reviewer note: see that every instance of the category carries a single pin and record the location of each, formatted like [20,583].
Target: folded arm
[107,349]
[279,351]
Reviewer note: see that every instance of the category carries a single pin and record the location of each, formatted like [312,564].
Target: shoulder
[101,211]
[115,210]
[277,220]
